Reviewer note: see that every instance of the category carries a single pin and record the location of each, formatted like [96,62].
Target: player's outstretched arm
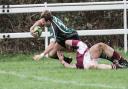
[45,53]
[61,59]
[37,23]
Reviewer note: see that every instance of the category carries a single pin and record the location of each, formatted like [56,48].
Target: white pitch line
[13,73]
[75,83]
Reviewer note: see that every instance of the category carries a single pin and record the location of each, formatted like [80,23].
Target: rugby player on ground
[87,58]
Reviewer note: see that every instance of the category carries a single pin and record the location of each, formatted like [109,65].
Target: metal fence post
[46,37]
[125,25]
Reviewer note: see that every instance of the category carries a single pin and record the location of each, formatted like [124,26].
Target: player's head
[46,15]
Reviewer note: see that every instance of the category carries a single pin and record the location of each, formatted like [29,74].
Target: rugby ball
[38,30]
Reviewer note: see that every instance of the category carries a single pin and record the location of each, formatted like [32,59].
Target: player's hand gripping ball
[37,31]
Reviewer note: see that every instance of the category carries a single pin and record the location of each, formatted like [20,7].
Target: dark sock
[120,59]
[116,65]
[116,56]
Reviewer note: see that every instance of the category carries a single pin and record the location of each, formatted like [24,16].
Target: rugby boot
[116,65]
[123,63]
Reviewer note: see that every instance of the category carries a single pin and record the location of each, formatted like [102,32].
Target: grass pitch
[21,72]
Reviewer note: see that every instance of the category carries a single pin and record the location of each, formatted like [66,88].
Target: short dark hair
[46,15]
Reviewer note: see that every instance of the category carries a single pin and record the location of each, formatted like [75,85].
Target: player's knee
[101,45]
[52,55]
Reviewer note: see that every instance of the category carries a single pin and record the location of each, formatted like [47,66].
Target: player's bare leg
[100,48]
[49,48]
[94,65]
[45,53]
[53,52]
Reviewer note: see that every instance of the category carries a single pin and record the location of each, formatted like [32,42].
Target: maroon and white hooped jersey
[83,55]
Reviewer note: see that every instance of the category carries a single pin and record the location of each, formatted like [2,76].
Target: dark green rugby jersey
[59,30]
[52,34]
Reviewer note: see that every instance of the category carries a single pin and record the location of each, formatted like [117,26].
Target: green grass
[21,72]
